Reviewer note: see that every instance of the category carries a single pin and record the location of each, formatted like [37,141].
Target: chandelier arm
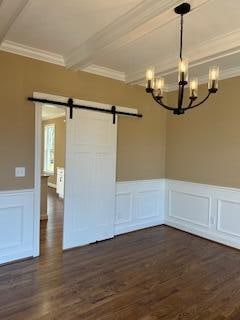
[198,104]
[159,101]
[189,105]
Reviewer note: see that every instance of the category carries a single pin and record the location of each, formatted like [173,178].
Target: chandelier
[155,86]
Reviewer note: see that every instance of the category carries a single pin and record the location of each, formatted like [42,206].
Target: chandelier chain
[181,37]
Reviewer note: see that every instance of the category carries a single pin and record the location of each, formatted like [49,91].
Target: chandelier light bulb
[159,87]
[150,79]
[193,87]
[150,74]
[182,66]
[183,70]
[213,74]
[213,78]
[160,83]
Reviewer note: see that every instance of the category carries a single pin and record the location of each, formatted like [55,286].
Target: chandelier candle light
[155,86]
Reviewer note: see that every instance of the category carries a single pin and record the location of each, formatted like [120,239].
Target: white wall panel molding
[139,204]
[228,219]
[211,212]
[197,212]
[17,191]
[16,225]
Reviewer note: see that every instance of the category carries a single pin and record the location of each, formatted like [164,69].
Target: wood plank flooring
[156,273]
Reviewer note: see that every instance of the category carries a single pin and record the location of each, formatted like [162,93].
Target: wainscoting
[139,204]
[16,225]
[208,211]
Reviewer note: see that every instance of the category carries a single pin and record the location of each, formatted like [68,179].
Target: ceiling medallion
[155,86]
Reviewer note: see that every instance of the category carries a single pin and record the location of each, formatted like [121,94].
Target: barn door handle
[70,103]
[114,114]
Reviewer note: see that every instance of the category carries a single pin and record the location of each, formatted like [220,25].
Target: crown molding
[49,57]
[224,74]
[105,72]
[218,47]
[30,52]
[46,56]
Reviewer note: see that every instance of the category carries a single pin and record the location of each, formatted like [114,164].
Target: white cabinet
[60,182]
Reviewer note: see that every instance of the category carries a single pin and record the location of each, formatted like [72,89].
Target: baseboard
[52,185]
[125,229]
[4,259]
[205,235]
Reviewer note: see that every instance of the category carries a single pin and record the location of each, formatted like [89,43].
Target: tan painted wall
[141,142]
[204,145]
[60,142]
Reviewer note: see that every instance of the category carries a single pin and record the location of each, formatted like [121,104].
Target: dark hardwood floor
[156,273]
[52,229]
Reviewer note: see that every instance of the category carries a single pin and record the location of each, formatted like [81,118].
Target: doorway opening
[53,146]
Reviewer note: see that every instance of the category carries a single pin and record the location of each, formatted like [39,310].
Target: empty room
[120,175]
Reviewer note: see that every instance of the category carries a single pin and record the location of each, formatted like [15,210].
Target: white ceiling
[51,112]
[120,39]
[59,26]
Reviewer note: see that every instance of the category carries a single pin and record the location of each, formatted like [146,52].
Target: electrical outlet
[20,172]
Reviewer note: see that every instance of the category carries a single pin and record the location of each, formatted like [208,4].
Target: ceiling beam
[210,50]
[126,28]
[9,12]
[138,22]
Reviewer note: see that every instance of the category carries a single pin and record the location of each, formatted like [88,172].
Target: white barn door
[89,206]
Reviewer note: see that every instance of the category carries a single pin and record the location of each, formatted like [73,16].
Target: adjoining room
[53,155]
